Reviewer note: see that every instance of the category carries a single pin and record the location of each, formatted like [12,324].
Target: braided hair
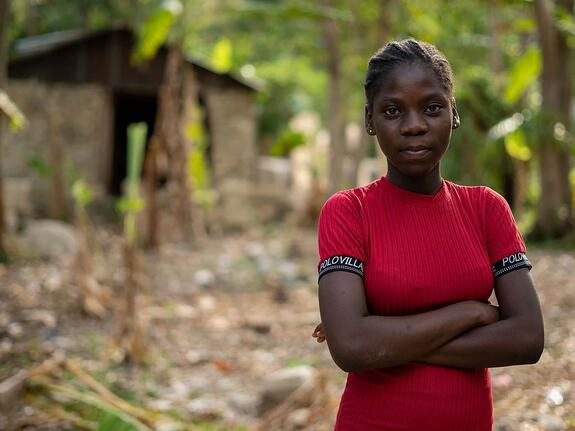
[405,52]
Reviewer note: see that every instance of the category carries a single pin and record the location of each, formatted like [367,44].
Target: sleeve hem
[341,269]
[341,263]
[511,263]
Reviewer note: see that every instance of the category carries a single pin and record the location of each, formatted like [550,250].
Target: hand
[490,313]
[319,333]
[485,313]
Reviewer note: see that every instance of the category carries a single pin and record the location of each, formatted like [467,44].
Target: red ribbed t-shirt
[415,253]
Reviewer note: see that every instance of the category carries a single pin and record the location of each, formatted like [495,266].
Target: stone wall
[232,122]
[75,118]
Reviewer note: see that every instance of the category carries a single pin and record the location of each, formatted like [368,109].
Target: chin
[416,171]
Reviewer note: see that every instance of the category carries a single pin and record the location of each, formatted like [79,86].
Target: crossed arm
[466,334]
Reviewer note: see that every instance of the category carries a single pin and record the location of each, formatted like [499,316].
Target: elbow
[536,347]
[533,346]
[346,356]
[346,365]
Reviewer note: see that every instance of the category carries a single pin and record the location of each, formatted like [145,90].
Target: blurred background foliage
[493,47]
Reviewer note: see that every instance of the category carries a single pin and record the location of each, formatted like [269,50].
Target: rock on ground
[281,384]
[49,239]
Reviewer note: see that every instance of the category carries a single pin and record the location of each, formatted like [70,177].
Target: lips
[416,149]
[416,153]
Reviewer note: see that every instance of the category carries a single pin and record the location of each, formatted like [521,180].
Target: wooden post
[4,27]
[335,113]
[555,213]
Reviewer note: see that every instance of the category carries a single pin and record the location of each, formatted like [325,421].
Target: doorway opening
[128,109]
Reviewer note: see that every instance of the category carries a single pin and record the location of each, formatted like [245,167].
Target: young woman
[408,262]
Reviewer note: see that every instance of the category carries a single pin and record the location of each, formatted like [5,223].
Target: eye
[434,108]
[391,111]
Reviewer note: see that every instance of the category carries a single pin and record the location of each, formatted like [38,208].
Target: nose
[413,124]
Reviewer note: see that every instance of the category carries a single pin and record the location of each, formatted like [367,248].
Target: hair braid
[405,52]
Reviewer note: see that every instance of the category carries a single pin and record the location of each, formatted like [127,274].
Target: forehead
[409,80]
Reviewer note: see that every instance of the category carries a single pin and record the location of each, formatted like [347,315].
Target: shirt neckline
[413,198]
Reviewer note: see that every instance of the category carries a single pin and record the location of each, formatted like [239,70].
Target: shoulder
[492,198]
[482,197]
[353,200]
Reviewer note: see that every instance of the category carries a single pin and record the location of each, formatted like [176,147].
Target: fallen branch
[48,365]
[12,387]
[91,400]
[64,415]
[10,390]
[108,395]
[99,396]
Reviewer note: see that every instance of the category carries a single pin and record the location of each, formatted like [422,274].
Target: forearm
[382,341]
[503,343]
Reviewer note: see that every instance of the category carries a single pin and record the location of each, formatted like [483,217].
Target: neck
[428,184]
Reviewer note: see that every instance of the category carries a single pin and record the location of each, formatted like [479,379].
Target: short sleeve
[505,245]
[340,235]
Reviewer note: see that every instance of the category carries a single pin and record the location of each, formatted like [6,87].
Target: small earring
[370,131]
[456,122]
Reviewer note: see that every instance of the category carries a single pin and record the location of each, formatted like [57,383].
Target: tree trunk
[520,185]
[554,214]
[361,151]
[521,168]
[58,204]
[150,182]
[130,335]
[495,58]
[4,27]
[191,118]
[383,33]
[171,106]
[335,115]
[517,172]
[93,298]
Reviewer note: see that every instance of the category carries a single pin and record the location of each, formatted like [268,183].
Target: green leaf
[39,165]
[81,192]
[286,143]
[114,423]
[428,28]
[155,31]
[525,71]
[9,108]
[130,205]
[137,134]
[295,10]
[222,55]
[516,145]
[524,25]
[566,23]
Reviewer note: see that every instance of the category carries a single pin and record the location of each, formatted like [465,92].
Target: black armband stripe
[511,263]
[341,263]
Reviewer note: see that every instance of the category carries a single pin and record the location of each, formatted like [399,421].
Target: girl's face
[412,116]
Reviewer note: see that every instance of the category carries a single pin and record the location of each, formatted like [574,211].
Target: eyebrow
[427,96]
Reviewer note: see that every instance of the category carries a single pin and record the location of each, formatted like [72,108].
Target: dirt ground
[221,319]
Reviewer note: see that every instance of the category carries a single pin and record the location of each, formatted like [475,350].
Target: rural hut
[79,92]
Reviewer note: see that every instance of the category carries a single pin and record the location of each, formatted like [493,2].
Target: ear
[369,121]
[456,121]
